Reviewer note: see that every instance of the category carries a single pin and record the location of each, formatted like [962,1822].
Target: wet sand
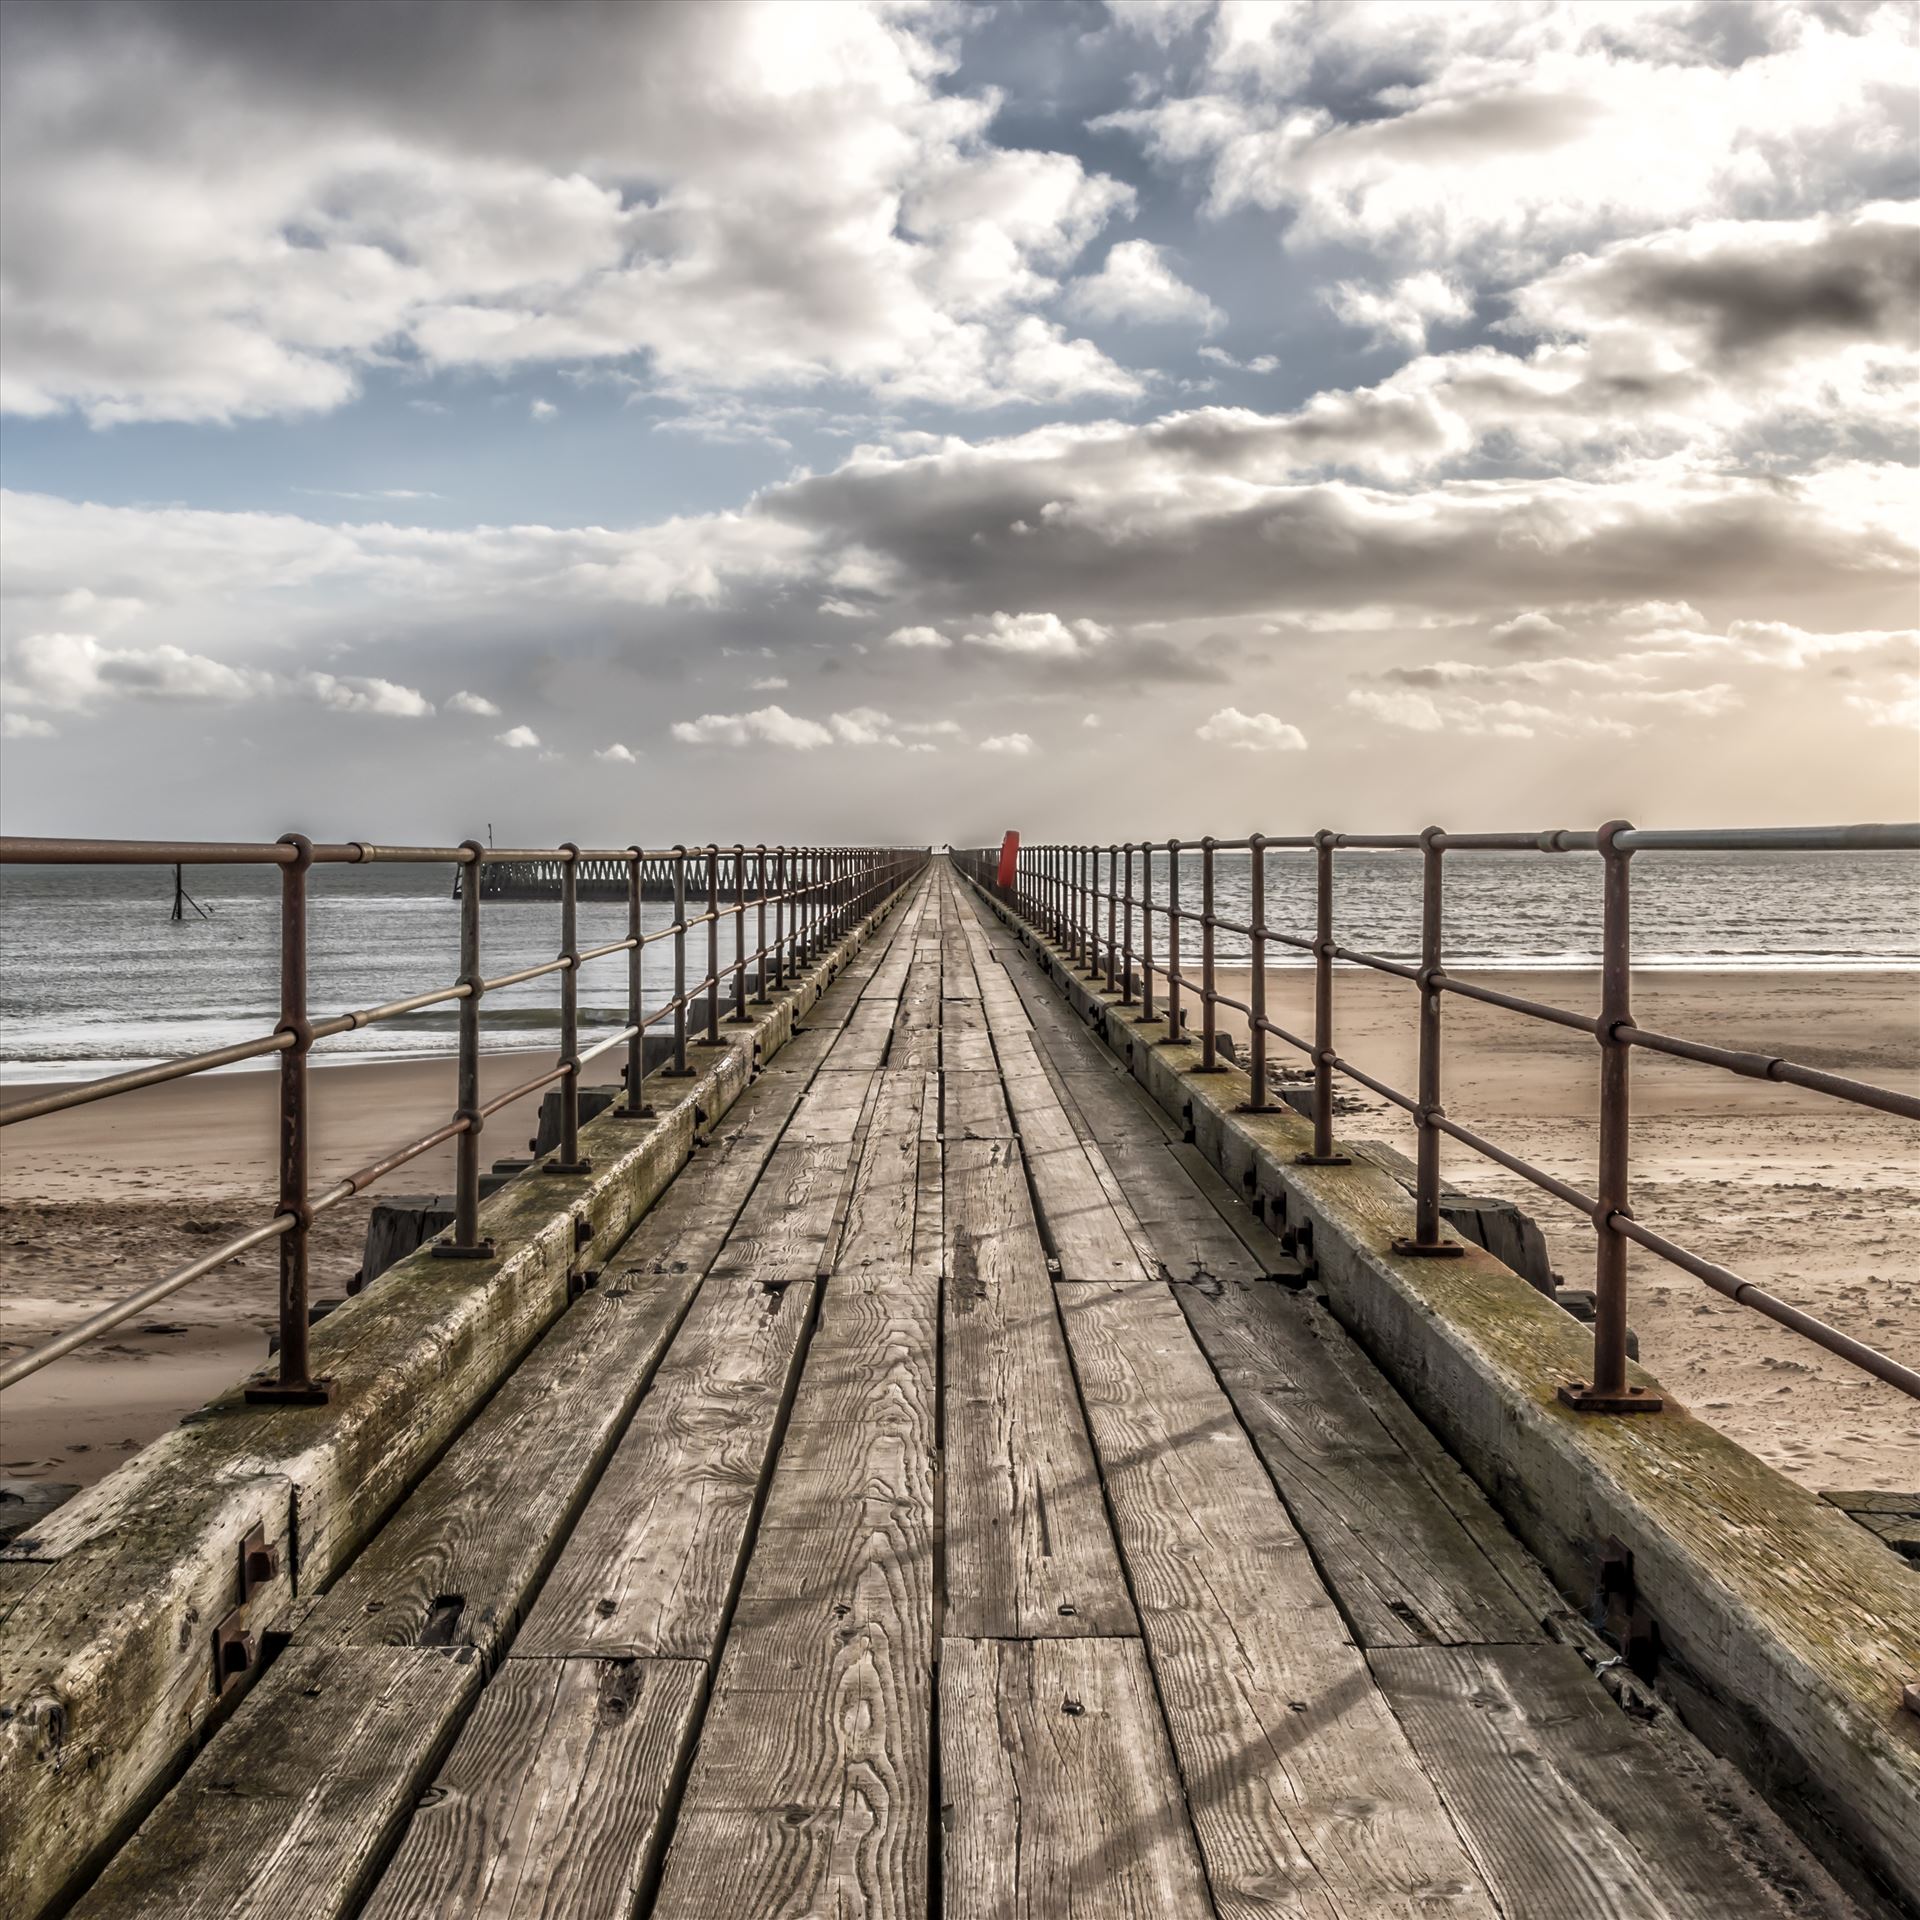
[1815,1200]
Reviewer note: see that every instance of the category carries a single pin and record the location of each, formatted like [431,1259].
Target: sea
[95,976]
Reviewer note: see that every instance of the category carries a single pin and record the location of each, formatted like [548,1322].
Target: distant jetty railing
[814,895]
[597,876]
[1062,888]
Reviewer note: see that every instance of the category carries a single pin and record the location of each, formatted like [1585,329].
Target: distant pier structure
[602,878]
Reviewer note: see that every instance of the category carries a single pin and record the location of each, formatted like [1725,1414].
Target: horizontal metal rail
[1059,888]
[815,895]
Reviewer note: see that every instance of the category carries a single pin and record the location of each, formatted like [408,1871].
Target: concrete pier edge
[1786,1633]
[108,1608]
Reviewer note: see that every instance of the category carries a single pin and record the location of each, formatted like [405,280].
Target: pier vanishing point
[948,1438]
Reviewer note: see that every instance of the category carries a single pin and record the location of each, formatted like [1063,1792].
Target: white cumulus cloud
[770,726]
[1250,732]
[1136,284]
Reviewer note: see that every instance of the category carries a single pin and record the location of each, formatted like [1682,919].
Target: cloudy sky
[909,421]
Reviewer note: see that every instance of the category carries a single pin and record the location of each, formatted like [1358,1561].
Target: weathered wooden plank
[1028,1549]
[1187,1238]
[864,1040]
[1404,1569]
[652,1563]
[930,1203]
[552,1802]
[1060,1799]
[810,1790]
[1305,1795]
[783,1230]
[1566,1803]
[687,1226]
[878,1234]
[456,1564]
[1258,1239]
[974,1105]
[293,1804]
[1092,1237]
[966,1049]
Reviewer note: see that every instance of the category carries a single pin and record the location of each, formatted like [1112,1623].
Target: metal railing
[1061,889]
[816,895]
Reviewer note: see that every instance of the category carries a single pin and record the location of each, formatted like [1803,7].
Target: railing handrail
[1058,887]
[817,894]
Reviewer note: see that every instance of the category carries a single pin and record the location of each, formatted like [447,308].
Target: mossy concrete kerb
[1786,1632]
[108,1611]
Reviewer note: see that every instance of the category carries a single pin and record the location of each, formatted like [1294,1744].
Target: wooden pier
[947,1500]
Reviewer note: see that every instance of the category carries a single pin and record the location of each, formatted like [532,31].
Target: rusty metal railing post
[295,1385]
[1173,941]
[1426,1239]
[569,1159]
[1090,909]
[636,1107]
[1608,1391]
[1257,979]
[760,928]
[1209,1037]
[779,917]
[1322,1154]
[712,1038]
[1113,902]
[1092,903]
[1126,932]
[1146,932]
[680,1067]
[466,1243]
[740,1016]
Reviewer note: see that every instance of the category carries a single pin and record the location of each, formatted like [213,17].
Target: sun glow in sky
[637,422]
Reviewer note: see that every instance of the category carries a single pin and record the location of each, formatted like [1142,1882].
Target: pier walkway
[948,1499]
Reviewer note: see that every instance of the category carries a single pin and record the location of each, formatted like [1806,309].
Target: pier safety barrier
[1062,888]
[814,894]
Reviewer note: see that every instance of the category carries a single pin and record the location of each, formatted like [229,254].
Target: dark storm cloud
[1119,531]
[1753,288]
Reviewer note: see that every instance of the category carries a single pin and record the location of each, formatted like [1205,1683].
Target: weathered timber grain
[809,1793]
[1028,1549]
[651,1565]
[1305,1795]
[290,1809]
[552,1802]
[1189,1239]
[1566,1804]
[783,1230]
[975,1105]
[878,1235]
[1259,1240]
[864,1040]
[1406,1573]
[1093,1236]
[1059,1799]
[457,1563]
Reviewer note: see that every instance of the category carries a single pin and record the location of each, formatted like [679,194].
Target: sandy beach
[1815,1200]
[97,1201]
